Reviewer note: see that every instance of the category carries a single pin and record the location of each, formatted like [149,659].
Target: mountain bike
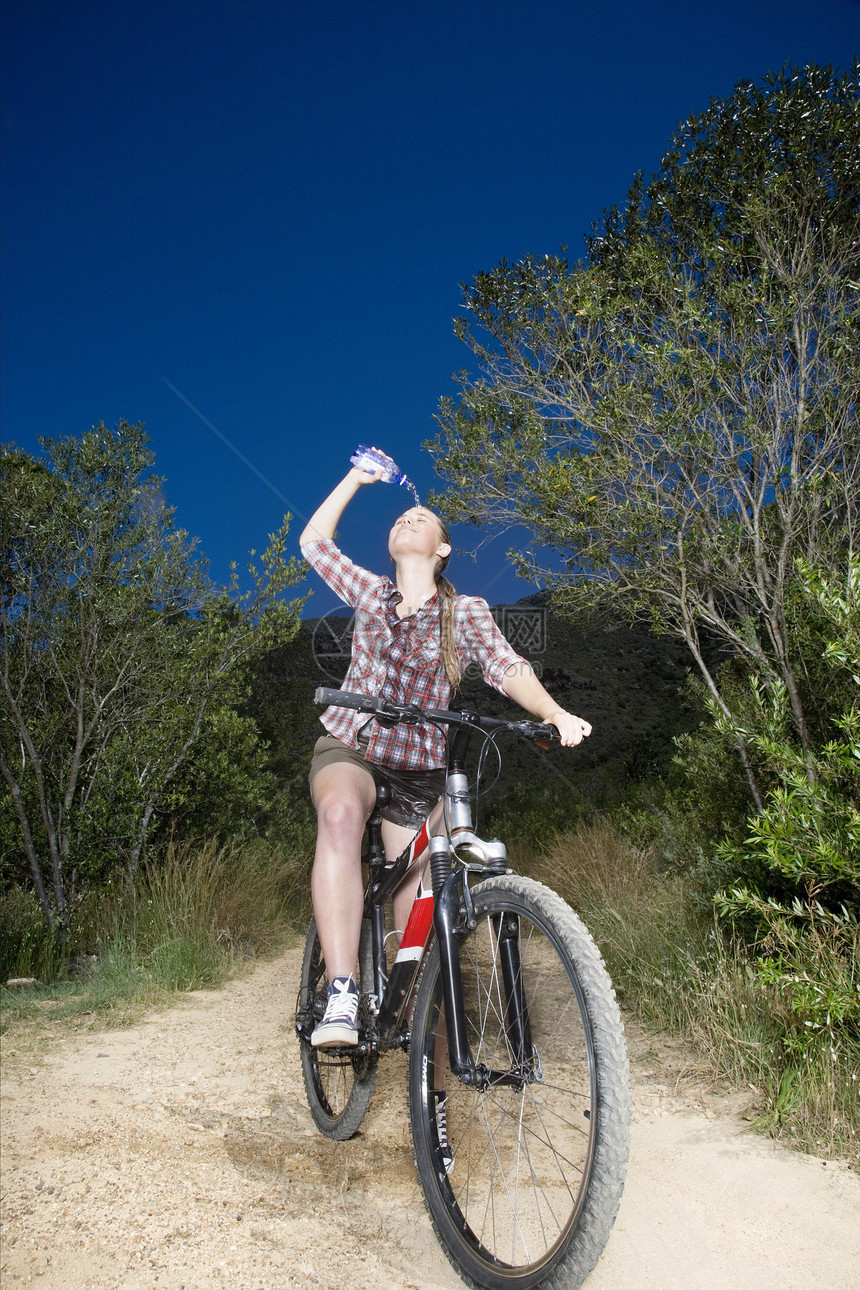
[518,1088]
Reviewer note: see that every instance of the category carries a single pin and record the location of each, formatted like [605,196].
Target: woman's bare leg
[395,838]
[344,796]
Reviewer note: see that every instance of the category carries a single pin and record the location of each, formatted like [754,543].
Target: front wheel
[525,1190]
[338,1081]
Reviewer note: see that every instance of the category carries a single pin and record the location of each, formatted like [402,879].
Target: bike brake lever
[385,714]
[390,714]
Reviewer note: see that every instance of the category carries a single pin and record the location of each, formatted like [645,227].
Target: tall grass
[188,920]
[199,910]
[678,970]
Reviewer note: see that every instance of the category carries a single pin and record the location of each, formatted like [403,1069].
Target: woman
[412,638]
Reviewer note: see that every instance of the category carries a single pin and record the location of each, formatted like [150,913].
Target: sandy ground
[180,1155]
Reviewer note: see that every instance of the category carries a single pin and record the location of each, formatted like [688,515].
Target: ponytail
[447,606]
[447,601]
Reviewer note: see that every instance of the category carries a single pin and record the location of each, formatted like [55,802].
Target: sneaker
[340,1022]
[442,1132]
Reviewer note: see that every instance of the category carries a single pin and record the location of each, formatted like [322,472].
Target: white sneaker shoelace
[342,1005]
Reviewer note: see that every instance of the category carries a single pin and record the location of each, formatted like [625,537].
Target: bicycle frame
[443,908]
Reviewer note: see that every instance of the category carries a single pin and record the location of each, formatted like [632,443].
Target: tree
[675,415]
[120,656]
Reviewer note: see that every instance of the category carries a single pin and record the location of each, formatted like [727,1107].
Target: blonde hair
[447,615]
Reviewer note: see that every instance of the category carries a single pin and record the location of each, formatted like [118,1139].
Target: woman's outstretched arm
[524,688]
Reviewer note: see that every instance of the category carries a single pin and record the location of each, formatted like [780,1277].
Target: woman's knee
[341,813]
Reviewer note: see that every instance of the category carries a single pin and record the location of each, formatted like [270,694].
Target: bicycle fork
[453,918]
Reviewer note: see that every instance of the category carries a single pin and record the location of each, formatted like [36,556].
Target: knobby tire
[539,1161]
[338,1082]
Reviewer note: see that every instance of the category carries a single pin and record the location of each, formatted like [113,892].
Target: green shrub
[28,948]
[803,918]
[192,916]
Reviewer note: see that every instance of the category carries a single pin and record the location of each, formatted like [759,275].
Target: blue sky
[271,205]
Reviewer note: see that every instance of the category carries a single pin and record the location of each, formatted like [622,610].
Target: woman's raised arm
[324,521]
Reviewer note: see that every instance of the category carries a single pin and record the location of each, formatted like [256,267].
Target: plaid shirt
[400,659]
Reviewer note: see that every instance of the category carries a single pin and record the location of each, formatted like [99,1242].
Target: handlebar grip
[542,734]
[343,699]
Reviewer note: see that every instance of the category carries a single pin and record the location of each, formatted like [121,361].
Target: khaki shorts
[414,793]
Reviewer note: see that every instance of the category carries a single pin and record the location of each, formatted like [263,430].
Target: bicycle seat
[383,794]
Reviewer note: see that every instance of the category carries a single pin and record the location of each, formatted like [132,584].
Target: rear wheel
[539,1153]
[338,1081]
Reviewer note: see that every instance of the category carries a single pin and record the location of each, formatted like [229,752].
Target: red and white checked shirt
[400,658]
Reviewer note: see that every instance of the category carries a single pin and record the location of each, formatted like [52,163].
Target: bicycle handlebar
[411,714]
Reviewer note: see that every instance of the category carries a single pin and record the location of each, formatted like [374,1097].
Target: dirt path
[179,1155]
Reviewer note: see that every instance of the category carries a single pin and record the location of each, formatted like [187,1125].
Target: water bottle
[372,460]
